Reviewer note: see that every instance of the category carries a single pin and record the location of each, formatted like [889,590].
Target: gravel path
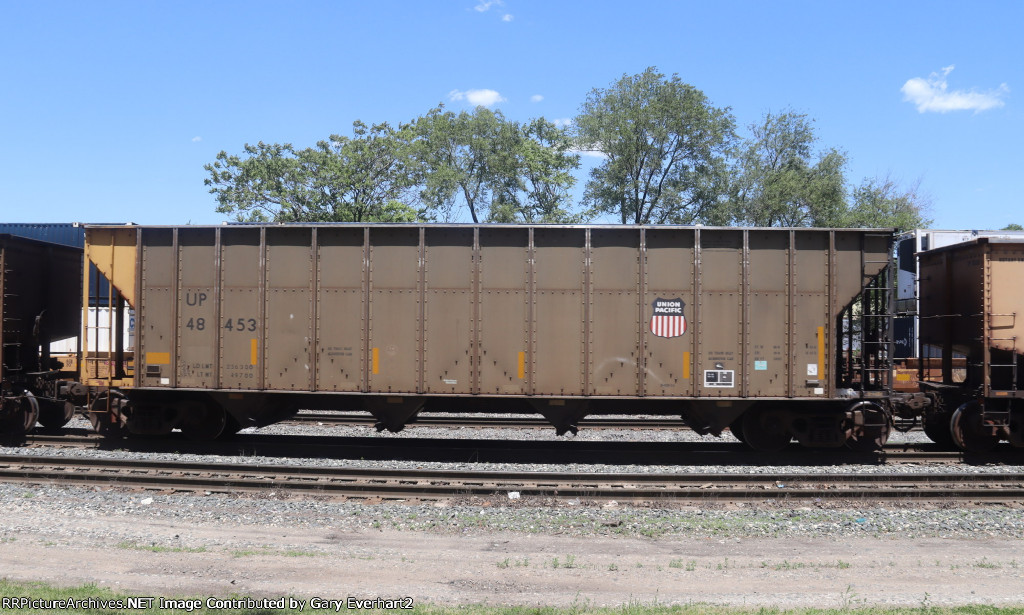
[501,551]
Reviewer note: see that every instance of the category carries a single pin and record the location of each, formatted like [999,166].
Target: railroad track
[706,453]
[419,485]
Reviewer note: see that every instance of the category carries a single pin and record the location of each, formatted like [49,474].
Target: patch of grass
[689,565]
[580,606]
[155,548]
[268,551]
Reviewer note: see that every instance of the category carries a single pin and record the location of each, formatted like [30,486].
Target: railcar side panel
[613,308]
[288,332]
[558,318]
[197,311]
[241,311]
[505,306]
[396,310]
[449,313]
[767,319]
[720,329]
[812,323]
[342,310]
[157,330]
[669,367]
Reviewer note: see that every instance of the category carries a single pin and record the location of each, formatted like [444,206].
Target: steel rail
[442,484]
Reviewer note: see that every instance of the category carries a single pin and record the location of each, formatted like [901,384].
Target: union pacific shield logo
[668,319]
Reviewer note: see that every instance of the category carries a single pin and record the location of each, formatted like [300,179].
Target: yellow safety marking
[821,353]
[376,360]
[902,377]
[686,364]
[254,351]
[158,358]
[522,366]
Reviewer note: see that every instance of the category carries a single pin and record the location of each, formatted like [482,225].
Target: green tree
[457,155]
[664,147]
[534,175]
[882,203]
[779,184]
[365,178]
[1012,227]
[500,170]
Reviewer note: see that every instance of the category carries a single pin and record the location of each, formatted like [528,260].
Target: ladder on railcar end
[877,321]
[998,404]
[10,351]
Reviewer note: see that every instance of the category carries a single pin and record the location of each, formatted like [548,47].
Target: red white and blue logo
[668,319]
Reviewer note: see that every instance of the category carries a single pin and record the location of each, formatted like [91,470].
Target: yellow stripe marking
[376,360]
[821,353]
[522,366]
[254,351]
[158,358]
[686,364]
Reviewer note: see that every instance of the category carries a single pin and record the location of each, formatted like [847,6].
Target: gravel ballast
[503,551]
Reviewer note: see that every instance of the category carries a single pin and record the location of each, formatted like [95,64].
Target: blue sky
[109,110]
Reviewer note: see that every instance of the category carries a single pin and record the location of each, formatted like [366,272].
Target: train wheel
[54,414]
[203,421]
[937,428]
[969,431]
[871,428]
[107,414]
[23,411]
[764,429]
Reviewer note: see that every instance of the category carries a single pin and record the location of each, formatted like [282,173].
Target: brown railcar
[779,333]
[971,311]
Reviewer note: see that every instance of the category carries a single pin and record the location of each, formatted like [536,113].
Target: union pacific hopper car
[778,334]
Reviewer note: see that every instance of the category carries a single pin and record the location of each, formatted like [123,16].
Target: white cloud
[536,98]
[507,17]
[485,5]
[196,139]
[477,98]
[590,153]
[932,94]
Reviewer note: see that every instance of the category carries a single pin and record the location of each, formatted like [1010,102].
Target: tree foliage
[1012,227]
[779,184]
[365,178]
[669,157]
[882,203]
[535,176]
[500,170]
[664,147]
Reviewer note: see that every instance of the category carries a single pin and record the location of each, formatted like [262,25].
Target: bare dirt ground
[510,568]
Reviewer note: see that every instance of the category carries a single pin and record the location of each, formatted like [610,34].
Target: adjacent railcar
[36,280]
[778,333]
[971,316]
